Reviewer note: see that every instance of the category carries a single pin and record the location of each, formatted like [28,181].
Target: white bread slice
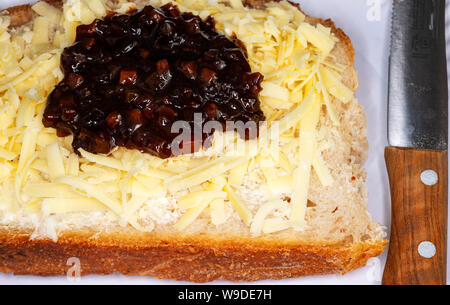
[340,235]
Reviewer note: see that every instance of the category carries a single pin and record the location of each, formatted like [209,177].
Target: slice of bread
[340,235]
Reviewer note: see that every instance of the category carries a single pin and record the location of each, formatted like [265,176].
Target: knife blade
[418,101]
[418,134]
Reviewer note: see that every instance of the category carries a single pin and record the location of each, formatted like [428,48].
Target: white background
[367,22]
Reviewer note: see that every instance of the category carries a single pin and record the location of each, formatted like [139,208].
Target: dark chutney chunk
[128,78]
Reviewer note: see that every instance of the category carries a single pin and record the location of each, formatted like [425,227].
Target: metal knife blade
[418,88]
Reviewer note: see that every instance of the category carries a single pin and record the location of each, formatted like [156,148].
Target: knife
[416,159]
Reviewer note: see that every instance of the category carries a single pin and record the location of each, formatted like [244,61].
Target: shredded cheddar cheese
[49,178]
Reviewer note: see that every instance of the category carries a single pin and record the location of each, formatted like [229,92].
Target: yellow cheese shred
[190,216]
[321,170]
[55,161]
[335,86]
[102,160]
[239,205]
[46,10]
[193,199]
[41,28]
[7,155]
[317,38]
[70,205]
[260,216]
[302,172]
[92,191]
[275,224]
[49,190]
[218,215]
[203,173]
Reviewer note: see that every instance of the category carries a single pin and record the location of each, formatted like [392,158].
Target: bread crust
[23,14]
[196,258]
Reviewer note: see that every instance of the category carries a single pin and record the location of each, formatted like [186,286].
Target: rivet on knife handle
[419,217]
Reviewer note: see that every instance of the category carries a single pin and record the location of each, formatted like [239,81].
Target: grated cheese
[7,155]
[28,147]
[190,216]
[70,205]
[335,86]
[263,212]
[55,162]
[237,174]
[275,224]
[218,215]
[48,11]
[317,37]
[321,170]
[41,31]
[203,173]
[102,160]
[92,191]
[49,178]
[302,172]
[239,205]
[73,165]
[280,185]
[49,190]
[193,199]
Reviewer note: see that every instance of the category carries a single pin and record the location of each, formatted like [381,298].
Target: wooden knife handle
[419,214]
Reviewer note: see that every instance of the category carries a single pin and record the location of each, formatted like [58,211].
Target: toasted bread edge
[190,258]
[198,258]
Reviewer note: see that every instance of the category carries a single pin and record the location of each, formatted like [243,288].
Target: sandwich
[192,140]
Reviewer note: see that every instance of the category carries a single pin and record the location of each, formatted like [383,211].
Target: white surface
[367,22]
